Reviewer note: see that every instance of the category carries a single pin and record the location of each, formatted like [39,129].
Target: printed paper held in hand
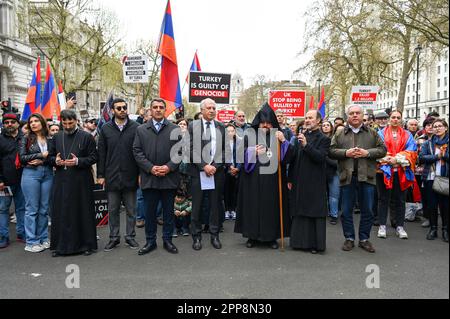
[6,192]
[207,182]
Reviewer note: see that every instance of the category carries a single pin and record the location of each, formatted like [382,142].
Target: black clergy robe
[73,229]
[258,206]
[308,202]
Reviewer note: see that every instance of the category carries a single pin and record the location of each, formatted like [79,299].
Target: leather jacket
[29,152]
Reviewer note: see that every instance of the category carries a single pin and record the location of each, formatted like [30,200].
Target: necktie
[158,126]
[208,131]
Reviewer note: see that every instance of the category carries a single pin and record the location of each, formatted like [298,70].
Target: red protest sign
[292,103]
[225,116]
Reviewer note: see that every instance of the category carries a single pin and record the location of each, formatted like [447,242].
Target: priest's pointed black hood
[266,114]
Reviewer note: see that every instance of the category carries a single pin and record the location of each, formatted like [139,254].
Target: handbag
[440,183]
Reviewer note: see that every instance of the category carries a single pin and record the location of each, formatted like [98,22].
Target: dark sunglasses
[120,108]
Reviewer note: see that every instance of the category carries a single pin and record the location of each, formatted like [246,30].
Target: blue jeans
[19,204]
[140,207]
[333,195]
[37,187]
[152,199]
[366,196]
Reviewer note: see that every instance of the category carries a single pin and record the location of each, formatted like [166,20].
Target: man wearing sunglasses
[118,172]
[10,176]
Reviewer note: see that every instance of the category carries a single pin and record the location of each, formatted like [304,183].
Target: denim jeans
[140,208]
[152,197]
[37,188]
[366,195]
[333,195]
[19,204]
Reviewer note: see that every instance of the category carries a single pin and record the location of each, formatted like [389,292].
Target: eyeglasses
[120,108]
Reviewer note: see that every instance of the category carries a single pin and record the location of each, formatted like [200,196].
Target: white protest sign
[135,69]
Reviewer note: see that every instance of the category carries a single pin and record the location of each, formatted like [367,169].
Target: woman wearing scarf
[398,173]
[434,154]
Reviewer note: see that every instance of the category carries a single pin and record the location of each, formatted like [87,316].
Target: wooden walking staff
[280,191]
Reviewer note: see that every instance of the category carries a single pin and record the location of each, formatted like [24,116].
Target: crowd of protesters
[375,165]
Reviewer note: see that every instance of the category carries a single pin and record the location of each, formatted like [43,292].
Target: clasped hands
[357,152]
[68,162]
[160,171]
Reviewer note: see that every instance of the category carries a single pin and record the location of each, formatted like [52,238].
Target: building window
[414,99]
[414,88]
[418,86]
[408,99]
[445,81]
[439,83]
[408,88]
[446,67]
[439,69]
[445,94]
[418,98]
[438,95]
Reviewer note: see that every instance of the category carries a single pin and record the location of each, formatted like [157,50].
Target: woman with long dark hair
[37,181]
[434,154]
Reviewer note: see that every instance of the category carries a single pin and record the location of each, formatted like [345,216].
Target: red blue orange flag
[195,66]
[321,107]
[169,87]
[33,99]
[50,104]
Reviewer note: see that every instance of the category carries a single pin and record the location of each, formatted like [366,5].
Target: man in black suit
[207,150]
[155,151]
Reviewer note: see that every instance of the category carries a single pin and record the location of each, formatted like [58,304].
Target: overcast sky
[250,37]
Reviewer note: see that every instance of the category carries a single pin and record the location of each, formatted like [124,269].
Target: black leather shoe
[274,245]
[445,234]
[170,247]
[132,243]
[215,242]
[250,243]
[111,245]
[147,249]
[87,253]
[432,234]
[197,245]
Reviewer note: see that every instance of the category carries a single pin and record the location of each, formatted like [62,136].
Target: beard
[10,130]
[70,131]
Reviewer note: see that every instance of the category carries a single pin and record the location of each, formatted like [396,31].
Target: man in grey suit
[153,150]
[207,149]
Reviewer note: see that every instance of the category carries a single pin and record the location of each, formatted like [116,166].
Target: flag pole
[280,191]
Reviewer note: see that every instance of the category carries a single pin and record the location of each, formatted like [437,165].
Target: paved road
[414,268]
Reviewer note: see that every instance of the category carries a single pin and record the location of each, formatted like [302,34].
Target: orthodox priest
[308,184]
[73,152]
[258,208]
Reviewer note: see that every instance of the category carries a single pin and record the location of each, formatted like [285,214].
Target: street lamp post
[418,49]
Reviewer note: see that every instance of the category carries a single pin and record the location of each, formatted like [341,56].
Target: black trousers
[215,201]
[231,191]
[398,198]
[435,201]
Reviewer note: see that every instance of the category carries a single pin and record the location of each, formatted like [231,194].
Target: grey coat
[151,148]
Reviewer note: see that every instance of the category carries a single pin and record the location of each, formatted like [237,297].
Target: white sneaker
[34,248]
[227,215]
[382,232]
[45,245]
[401,233]
[233,215]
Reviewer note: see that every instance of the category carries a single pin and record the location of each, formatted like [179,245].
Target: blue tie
[158,126]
